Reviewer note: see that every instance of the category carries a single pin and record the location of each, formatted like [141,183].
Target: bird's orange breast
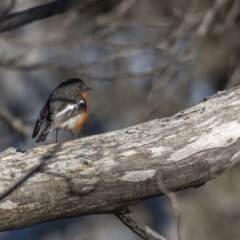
[81,121]
[84,115]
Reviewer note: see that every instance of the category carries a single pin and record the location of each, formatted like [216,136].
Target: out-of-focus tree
[144,59]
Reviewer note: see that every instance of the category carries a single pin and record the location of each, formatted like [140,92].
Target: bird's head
[78,83]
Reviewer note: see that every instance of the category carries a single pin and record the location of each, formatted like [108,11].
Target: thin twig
[234,79]
[209,17]
[127,218]
[111,21]
[6,11]
[19,19]
[233,13]
[17,124]
[14,123]
[175,205]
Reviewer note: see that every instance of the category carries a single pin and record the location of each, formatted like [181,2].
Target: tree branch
[17,124]
[14,123]
[209,17]
[137,226]
[4,11]
[19,19]
[110,172]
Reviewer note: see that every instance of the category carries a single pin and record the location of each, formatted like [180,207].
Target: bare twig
[111,21]
[127,218]
[233,13]
[17,124]
[19,19]
[6,11]
[234,79]
[175,205]
[14,123]
[189,20]
[209,17]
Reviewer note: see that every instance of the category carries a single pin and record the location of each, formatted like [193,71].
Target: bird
[66,108]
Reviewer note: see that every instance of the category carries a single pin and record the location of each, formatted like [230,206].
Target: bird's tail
[40,120]
[42,136]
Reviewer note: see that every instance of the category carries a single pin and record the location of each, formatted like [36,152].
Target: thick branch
[19,19]
[109,172]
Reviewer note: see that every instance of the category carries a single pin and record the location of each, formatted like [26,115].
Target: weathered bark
[110,172]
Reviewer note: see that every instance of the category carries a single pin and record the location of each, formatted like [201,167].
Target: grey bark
[110,172]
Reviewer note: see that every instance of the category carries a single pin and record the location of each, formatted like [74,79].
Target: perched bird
[66,108]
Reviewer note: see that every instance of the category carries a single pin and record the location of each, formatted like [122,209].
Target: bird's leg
[72,135]
[56,135]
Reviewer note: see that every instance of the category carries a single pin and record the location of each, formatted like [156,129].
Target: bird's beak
[87,88]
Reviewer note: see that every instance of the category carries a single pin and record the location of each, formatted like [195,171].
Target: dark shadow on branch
[44,160]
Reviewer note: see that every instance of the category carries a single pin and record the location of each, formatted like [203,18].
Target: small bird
[66,108]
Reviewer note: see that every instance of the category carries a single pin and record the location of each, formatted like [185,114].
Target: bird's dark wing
[65,112]
[40,121]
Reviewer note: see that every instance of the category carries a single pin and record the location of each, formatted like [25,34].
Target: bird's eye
[82,103]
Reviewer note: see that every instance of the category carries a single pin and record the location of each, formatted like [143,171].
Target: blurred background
[144,59]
